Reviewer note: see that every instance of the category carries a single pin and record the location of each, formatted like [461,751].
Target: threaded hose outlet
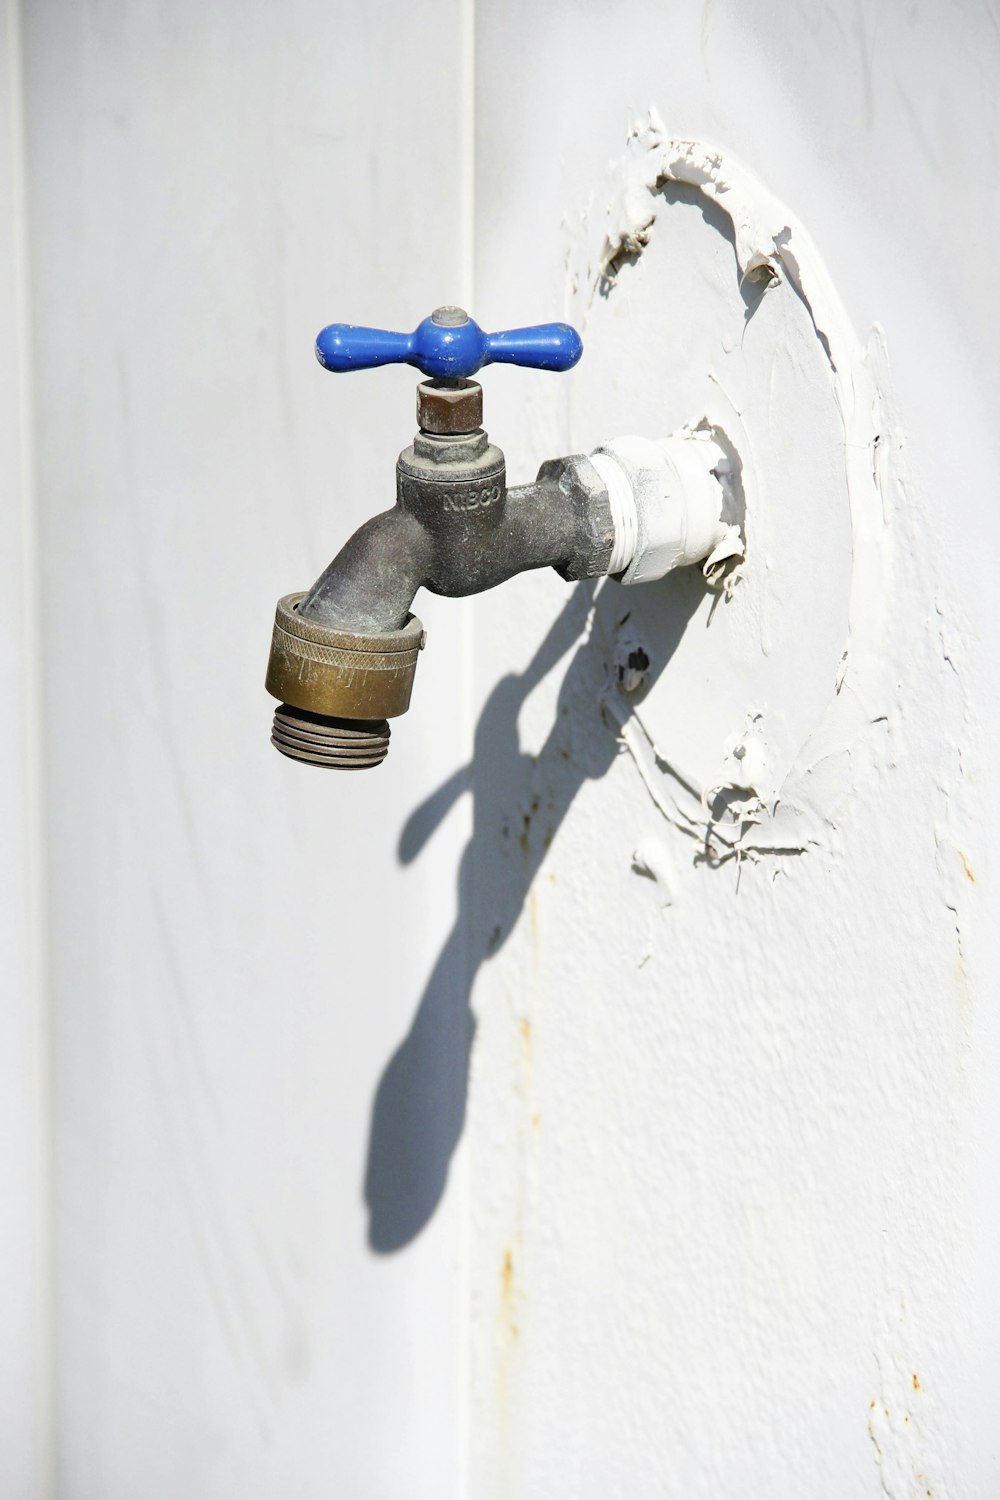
[321,740]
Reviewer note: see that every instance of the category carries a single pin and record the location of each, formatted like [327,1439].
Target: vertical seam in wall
[33,740]
[467,163]
[467,274]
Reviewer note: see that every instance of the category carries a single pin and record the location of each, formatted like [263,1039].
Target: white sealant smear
[652,858]
[772,246]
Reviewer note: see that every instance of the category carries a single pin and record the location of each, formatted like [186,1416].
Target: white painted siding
[25,1367]
[733,1133]
[235,949]
[408,1143]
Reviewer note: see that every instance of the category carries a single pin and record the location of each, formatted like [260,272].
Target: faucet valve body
[344,654]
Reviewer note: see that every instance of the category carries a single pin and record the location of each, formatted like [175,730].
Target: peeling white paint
[773,248]
[631,661]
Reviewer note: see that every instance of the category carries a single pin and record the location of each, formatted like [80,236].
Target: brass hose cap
[341,674]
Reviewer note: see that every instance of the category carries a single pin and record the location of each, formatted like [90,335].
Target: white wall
[702,1202]
[733,1130]
[234,948]
[24,1101]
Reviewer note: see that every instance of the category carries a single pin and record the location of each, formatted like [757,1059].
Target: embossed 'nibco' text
[472,497]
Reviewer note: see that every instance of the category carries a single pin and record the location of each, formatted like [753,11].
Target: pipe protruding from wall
[667,499]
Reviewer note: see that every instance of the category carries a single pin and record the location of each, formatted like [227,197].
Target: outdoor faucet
[344,654]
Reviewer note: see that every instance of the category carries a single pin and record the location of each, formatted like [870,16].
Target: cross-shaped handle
[448,345]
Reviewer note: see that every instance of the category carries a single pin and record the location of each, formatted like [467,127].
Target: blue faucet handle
[448,345]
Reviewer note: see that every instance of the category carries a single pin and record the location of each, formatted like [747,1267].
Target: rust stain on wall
[507,1290]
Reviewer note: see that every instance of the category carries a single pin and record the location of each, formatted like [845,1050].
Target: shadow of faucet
[519,802]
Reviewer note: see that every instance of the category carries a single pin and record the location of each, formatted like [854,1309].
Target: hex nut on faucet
[587,497]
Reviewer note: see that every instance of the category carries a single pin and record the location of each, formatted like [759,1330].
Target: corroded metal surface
[445,407]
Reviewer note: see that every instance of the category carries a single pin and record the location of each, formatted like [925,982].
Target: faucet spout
[371,583]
